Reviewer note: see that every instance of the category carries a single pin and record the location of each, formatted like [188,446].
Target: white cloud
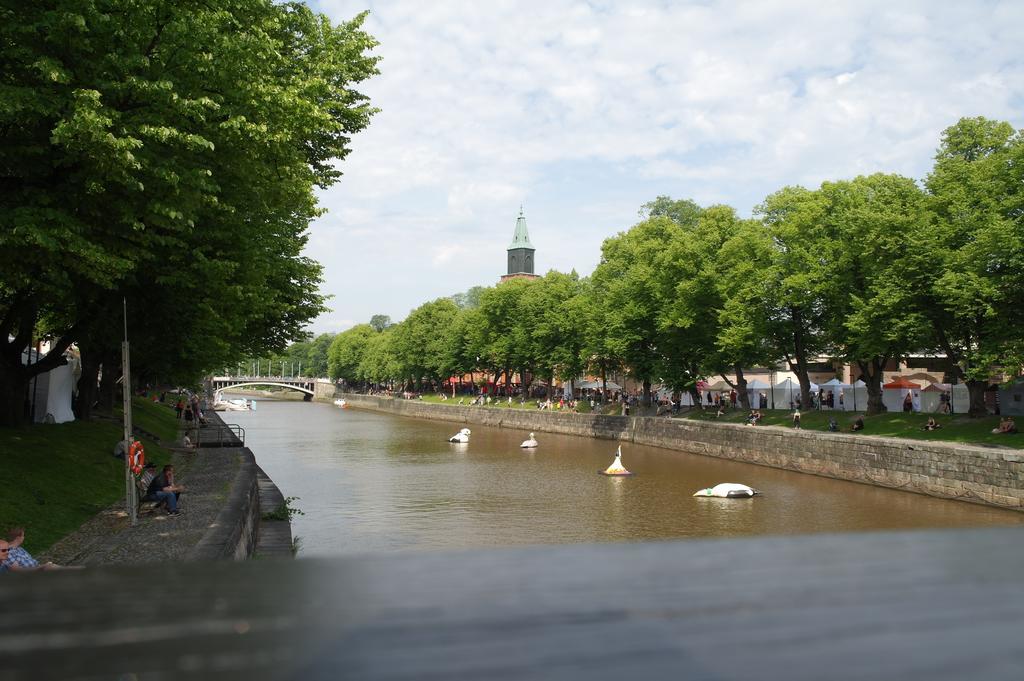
[565,105]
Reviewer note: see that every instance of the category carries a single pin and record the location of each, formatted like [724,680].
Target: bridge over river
[303,384]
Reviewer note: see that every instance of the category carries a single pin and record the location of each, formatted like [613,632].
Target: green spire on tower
[521,239]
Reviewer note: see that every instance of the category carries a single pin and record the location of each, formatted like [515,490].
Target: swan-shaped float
[341,403]
[616,468]
[461,436]
[727,490]
[529,444]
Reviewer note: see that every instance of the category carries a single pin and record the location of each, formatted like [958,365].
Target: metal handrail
[221,435]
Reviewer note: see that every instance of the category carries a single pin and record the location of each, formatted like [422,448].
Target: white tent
[786,394]
[58,399]
[754,390]
[1011,398]
[961,398]
[894,393]
[836,387]
[855,398]
[931,397]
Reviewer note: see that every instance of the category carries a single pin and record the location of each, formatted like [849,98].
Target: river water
[371,482]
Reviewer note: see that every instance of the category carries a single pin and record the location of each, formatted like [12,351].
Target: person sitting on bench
[163,489]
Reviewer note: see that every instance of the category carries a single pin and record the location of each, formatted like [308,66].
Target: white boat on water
[234,405]
[727,490]
[616,468]
[341,403]
[461,436]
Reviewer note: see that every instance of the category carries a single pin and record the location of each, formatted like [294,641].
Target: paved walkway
[108,537]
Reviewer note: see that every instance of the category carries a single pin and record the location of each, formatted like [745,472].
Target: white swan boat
[341,403]
[616,468]
[461,436]
[234,405]
[529,444]
[727,490]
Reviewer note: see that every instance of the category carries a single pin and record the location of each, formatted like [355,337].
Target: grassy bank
[954,428]
[58,476]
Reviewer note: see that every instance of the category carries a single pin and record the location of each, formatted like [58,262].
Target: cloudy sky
[583,111]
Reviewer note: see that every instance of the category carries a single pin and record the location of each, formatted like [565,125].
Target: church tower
[520,253]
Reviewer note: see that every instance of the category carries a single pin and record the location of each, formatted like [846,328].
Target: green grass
[955,428]
[58,476]
[155,418]
[502,403]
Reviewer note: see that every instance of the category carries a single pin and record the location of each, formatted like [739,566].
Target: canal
[371,482]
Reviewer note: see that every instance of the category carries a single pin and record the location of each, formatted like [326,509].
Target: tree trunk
[695,398]
[108,381]
[88,382]
[976,390]
[13,394]
[647,392]
[800,355]
[740,386]
[871,374]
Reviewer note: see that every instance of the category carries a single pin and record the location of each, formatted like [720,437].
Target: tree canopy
[865,271]
[166,155]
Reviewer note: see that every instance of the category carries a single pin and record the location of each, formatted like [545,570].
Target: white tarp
[961,398]
[855,398]
[754,390]
[1011,399]
[786,394]
[836,387]
[58,399]
[931,400]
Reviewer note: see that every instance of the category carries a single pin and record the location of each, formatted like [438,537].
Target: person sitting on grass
[858,424]
[1006,426]
[833,427]
[796,419]
[18,559]
[932,424]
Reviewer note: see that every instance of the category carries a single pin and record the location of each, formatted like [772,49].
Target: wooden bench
[145,502]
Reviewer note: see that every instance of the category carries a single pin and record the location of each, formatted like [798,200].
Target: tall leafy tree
[155,151]
[347,352]
[792,304]
[502,335]
[869,273]
[975,302]
[633,283]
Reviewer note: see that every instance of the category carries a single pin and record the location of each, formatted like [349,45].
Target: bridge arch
[291,386]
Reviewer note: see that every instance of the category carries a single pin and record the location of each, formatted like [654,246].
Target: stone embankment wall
[977,474]
[239,530]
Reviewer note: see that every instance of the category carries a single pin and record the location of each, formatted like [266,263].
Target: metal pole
[126,393]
